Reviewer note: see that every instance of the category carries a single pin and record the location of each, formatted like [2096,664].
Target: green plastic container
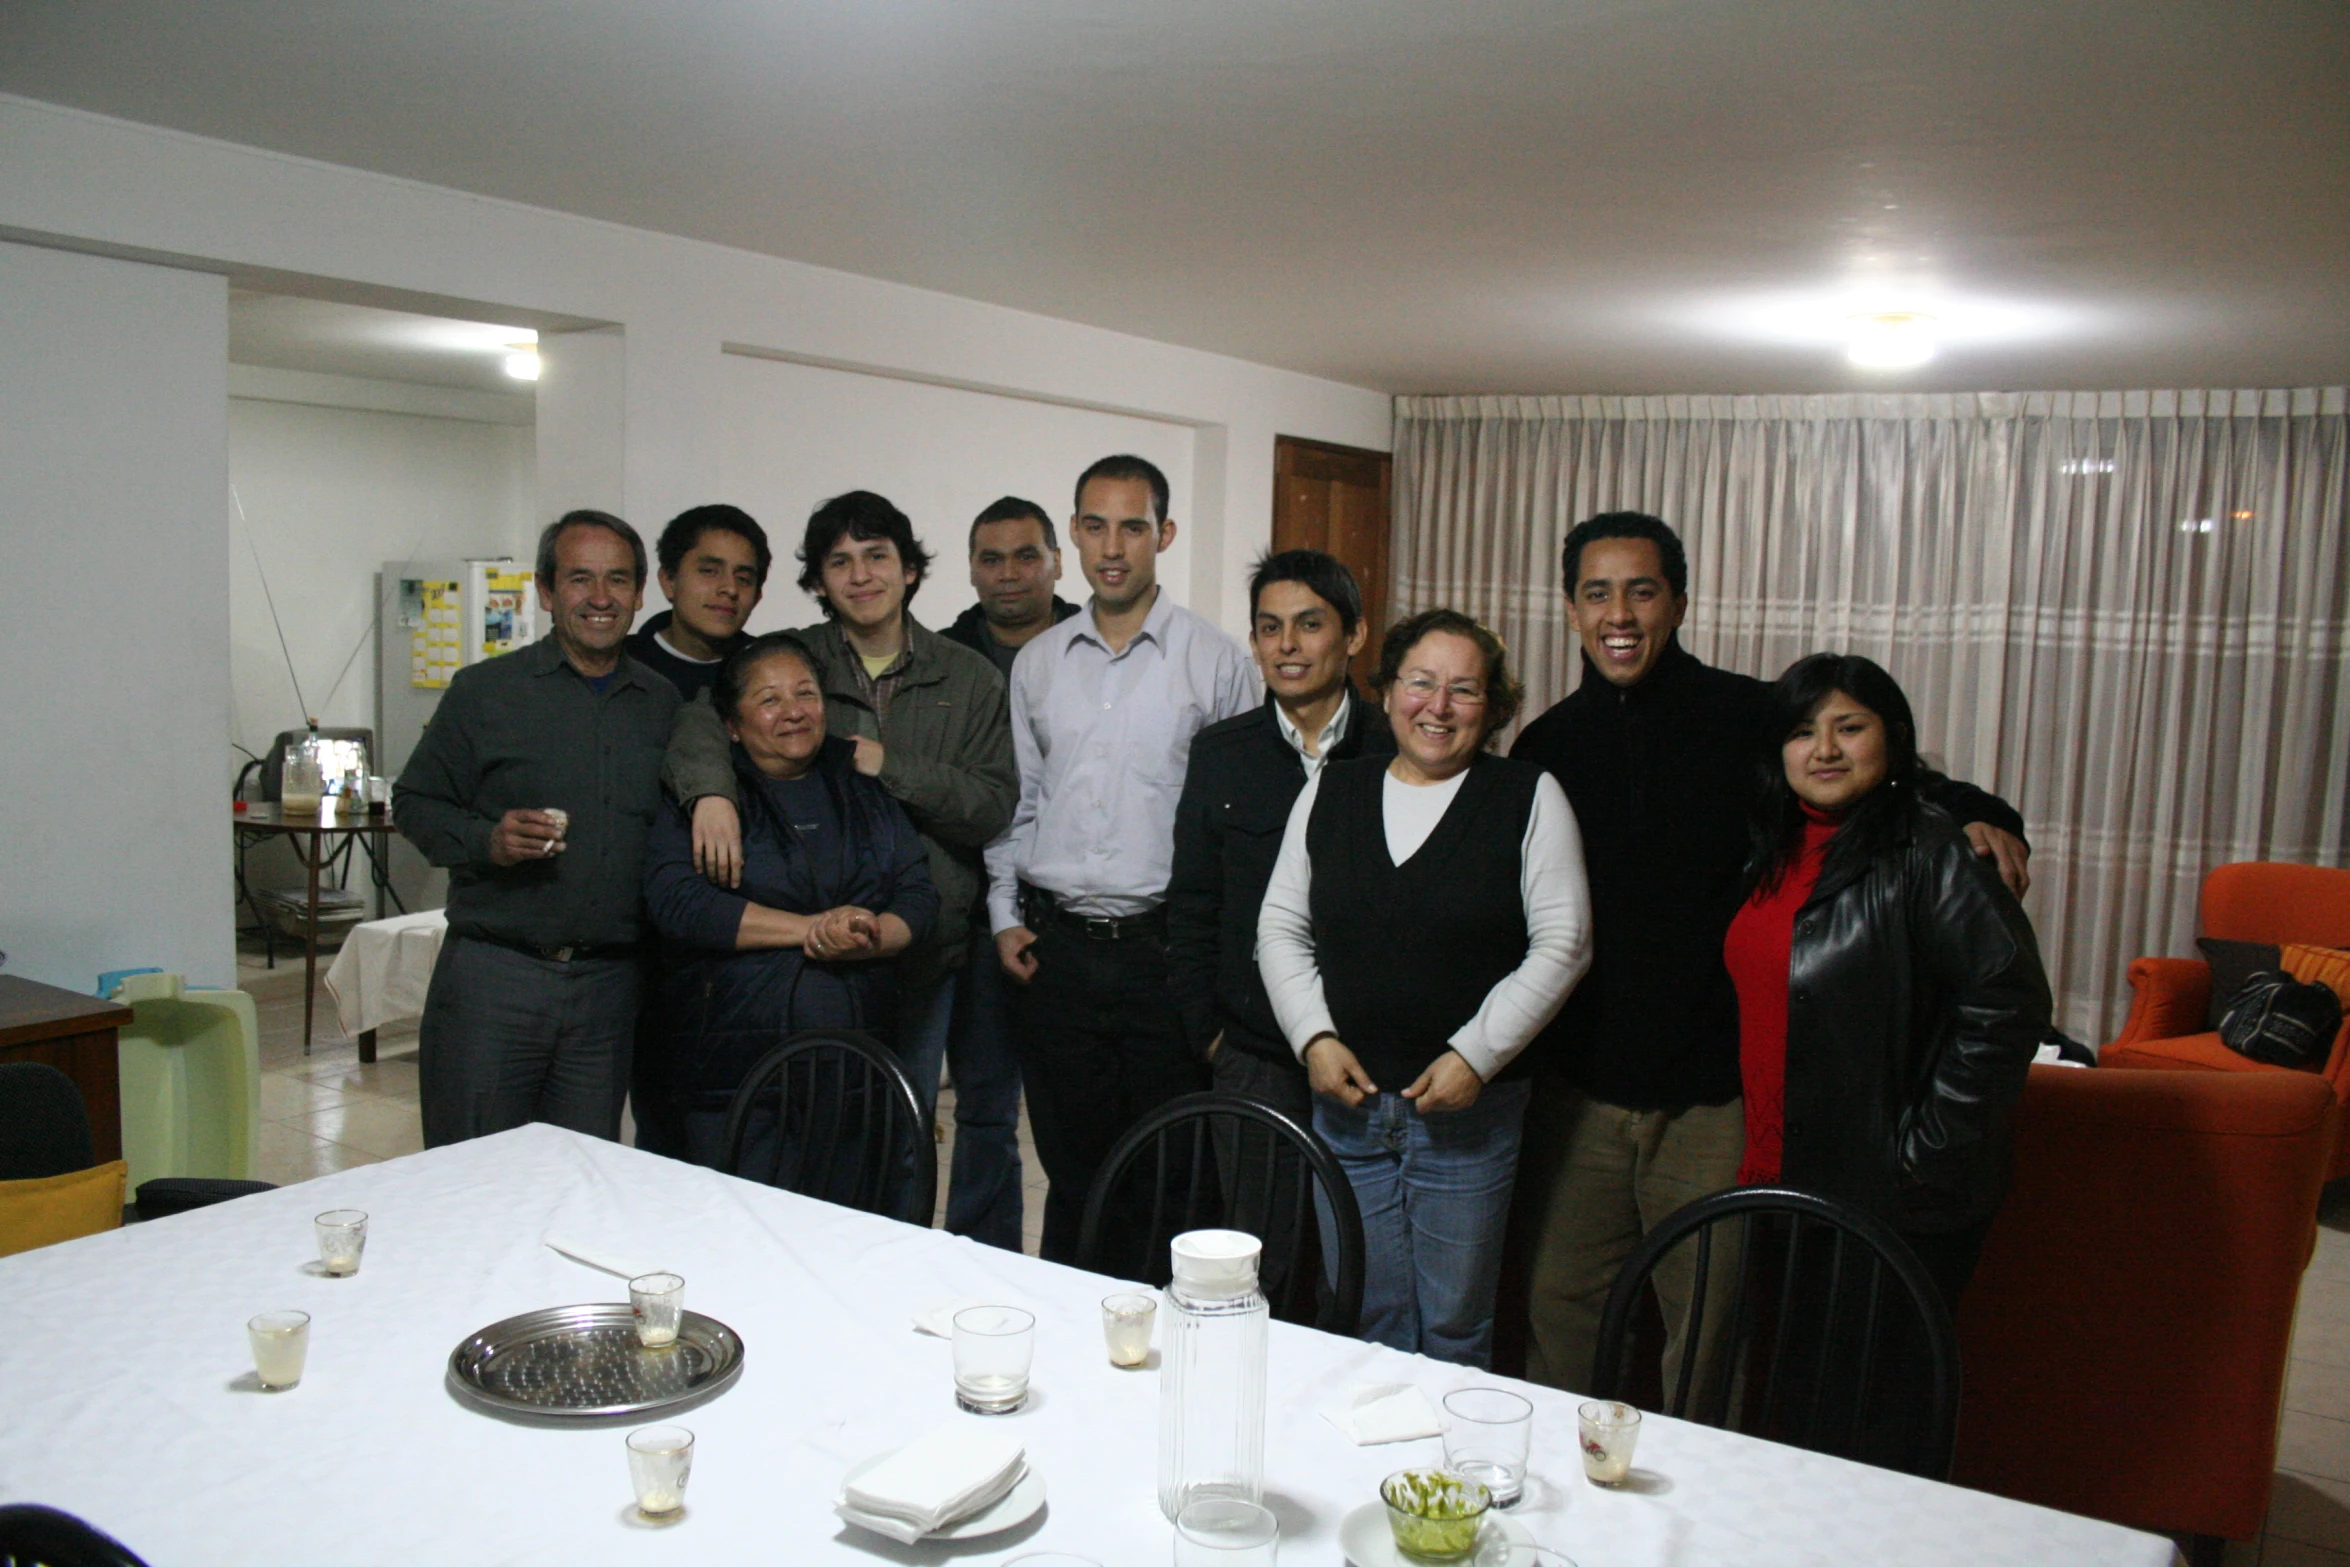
[191,1080]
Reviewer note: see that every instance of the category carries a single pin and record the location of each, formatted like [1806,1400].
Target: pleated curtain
[2127,613]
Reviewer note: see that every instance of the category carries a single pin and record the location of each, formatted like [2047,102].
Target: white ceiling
[1414,195]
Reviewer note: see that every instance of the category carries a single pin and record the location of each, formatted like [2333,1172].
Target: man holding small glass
[535,785]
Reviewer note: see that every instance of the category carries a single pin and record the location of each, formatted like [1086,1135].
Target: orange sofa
[2277,904]
[2124,1342]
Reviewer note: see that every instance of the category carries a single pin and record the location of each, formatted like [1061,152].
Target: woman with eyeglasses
[1427,916]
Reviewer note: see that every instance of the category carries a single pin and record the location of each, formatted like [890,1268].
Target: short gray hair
[587,519]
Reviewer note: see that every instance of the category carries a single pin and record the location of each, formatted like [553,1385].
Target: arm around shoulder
[699,762]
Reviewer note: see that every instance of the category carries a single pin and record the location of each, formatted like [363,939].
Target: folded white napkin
[939,1321]
[954,1472]
[580,1251]
[1385,1412]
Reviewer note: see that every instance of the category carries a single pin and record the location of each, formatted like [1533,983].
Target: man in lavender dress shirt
[1104,706]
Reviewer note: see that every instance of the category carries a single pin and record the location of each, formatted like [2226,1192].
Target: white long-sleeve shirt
[1551,884]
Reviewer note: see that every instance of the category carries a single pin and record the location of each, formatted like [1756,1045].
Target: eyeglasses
[1423,688]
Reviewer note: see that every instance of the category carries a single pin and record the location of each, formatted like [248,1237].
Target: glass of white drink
[1126,1325]
[281,1342]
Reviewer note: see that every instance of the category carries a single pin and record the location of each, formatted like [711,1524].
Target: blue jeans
[962,1023]
[1435,1196]
[984,1199]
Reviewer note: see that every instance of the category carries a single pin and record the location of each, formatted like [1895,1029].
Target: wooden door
[1334,498]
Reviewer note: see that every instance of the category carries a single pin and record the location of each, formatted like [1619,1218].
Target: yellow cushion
[60,1207]
[2327,966]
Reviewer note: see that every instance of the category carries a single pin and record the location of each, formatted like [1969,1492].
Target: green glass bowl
[1435,1513]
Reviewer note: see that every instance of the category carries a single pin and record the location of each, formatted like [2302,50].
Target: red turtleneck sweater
[1756,952]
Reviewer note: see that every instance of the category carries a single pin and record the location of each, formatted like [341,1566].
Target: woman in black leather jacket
[1890,989]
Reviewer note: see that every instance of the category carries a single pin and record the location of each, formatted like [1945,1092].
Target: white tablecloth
[382,972]
[124,1382]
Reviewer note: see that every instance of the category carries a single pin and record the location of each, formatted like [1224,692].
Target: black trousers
[508,1038]
[1099,1048]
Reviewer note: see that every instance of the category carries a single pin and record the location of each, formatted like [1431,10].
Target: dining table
[131,1398]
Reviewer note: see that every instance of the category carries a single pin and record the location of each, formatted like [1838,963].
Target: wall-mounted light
[1890,340]
[522,362]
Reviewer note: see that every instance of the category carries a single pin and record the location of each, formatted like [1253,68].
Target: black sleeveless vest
[1408,952]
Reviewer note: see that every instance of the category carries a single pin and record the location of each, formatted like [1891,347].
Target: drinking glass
[993,1346]
[1226,1531]
[660,1460]
[1126,1325]
[342,1236]
[281,1342]
[1486,1436]
[658,1299]
[1609,1432]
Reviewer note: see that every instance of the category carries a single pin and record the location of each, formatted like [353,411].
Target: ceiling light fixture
[1890,340]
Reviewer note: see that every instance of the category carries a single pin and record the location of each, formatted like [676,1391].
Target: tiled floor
[326,1112]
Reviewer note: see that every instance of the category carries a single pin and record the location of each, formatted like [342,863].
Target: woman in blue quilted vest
[835,884]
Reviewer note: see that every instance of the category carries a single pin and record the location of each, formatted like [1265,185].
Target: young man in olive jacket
[927,718]
[1638,1109]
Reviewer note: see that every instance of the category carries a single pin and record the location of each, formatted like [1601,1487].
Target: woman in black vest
[1427,916]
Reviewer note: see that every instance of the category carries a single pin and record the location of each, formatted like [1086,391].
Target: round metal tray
[582,1363]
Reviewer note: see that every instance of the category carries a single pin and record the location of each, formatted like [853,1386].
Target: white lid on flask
[1216,1264]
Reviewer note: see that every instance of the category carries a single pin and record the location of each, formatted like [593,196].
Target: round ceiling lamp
[1890,340]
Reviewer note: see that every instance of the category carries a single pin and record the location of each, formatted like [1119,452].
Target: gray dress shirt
[526,731]
[1102,740]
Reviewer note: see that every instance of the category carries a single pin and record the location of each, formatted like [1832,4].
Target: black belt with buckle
[584,953]
[1038,905]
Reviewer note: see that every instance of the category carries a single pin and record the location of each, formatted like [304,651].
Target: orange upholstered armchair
[2124,1341]
[2167,1028]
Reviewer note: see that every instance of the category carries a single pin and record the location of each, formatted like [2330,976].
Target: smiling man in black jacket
[1638,1111]
[1305,624]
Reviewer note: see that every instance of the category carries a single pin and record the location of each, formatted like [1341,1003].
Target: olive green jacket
[946,757]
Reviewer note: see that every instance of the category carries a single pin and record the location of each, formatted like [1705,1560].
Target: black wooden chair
[1225,1161]
[1836,1338]
[36,1536]
[44,1127]
[830,1114]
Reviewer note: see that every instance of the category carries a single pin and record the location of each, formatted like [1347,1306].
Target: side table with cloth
[144,1425]
[383,972]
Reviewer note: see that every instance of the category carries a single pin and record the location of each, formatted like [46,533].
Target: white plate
[1369,1542]
[1017,1505]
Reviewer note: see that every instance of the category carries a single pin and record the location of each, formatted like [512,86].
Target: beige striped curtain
[2125,612]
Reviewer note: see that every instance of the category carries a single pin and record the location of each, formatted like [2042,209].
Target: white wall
[327,496]
[113,619]
[645,408]
[679,305]
[797,434]
[321,498]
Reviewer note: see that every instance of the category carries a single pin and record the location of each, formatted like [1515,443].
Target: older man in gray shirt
[536,784]
[1104,706]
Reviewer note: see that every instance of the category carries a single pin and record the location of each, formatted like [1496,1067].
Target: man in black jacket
[1305,624]
[1638,1111]
[714,562]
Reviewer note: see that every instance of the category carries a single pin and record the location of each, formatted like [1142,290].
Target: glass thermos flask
[1212,1384]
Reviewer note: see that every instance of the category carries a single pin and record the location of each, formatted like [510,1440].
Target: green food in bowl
[1435,1514]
